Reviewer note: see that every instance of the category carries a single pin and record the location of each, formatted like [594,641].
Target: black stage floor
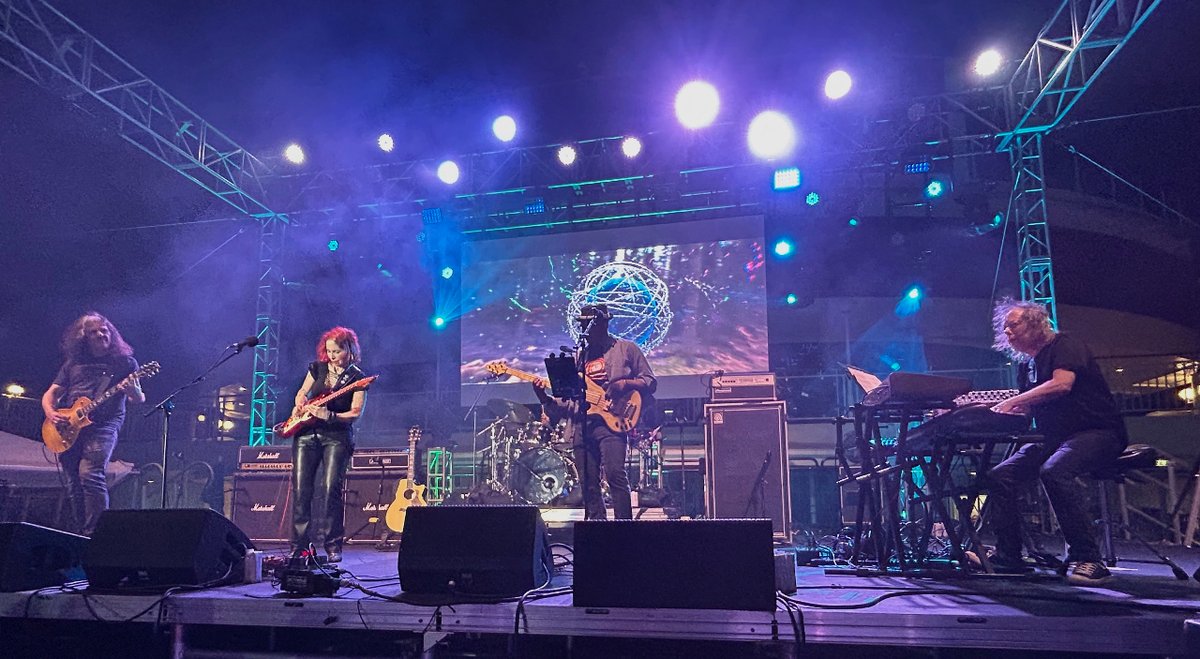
[1143,610]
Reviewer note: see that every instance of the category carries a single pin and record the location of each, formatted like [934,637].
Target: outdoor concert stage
[1142,611]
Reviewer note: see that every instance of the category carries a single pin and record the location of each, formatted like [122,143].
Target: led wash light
[787,178]
[697,104]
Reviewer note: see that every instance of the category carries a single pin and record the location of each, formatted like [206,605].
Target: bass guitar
[303,420]
[408,493]
[59,437]
[620,414]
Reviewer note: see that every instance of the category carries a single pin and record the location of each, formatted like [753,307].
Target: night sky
[81,211]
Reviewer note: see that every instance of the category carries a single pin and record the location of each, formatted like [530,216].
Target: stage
[1143,610]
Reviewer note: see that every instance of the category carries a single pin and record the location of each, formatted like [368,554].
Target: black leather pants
[319,465]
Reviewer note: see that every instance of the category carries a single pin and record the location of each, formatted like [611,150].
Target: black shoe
[1008,564]
[1088,573]
[334,554]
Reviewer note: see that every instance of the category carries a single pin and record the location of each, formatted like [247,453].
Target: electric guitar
[620,414]
[302,420]
[408,493]
[59,437]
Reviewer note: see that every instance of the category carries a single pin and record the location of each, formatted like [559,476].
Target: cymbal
[515,412]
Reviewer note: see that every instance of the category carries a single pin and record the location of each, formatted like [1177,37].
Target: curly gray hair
[1028,312]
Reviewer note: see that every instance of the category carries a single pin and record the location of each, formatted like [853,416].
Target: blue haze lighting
[787,178]
[333,245]
[812,199]
[784,247]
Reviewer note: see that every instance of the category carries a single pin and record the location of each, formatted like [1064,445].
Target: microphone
[248,342]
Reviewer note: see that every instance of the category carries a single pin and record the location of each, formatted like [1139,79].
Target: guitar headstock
[414,436]
[498,368]
[363,383]
[147,370]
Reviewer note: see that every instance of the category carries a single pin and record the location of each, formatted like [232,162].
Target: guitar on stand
[408,492]
[303,420]
[620,414]
[59,437]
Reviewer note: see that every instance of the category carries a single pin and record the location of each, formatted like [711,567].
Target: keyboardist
[1064,391]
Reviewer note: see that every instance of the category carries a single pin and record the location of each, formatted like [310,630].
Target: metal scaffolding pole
[50,50]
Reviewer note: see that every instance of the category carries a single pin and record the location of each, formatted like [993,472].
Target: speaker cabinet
[473,550]
[260,505]
[815,498]
[164,548]
[682,564]
[747,463]
[367,497]
[38,557]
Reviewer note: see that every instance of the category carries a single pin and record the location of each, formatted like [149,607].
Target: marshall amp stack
[259,495]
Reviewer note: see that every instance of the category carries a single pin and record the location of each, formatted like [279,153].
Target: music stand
[565,380]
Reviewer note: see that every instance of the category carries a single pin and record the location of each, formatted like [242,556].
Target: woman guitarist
[96,358]
[322,450]
[620,367]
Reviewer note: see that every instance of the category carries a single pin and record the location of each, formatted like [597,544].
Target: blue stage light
[536,207]
[431,215]
[791,298]
[438,322]
[913,293]
[447,272]
[934,189]
[784,247]
[853,222]
[895,366]
[333,245]
[787,178]
[812,199]
[997,219]
[921,167]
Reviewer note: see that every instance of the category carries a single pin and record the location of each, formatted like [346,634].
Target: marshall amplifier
[367,496]
[736,387]
[265,458]
[389,459]
[259,504]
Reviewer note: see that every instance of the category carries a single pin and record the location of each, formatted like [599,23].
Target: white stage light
[567,155]
[631,147]
[697,104]
[294,154]
[386,143]
[448,172]
[771,135]
[837,84]
[504,128]
[988,62]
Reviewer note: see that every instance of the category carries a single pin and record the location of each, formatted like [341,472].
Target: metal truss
[53,52]
[1072,49]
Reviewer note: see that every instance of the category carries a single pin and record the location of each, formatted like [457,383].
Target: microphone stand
[167,405]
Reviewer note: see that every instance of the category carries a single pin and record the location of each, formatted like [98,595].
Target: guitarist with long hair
[620,367]
[95,357]
[321,451]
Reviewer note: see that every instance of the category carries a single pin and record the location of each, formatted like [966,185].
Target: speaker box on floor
[747,468]
[473,550]
[259,505]
[164,548]
[682,564]
[38,557]
[815,498]
[367,504]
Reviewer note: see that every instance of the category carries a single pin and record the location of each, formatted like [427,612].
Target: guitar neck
[103,397]
[321,400]
[522,375]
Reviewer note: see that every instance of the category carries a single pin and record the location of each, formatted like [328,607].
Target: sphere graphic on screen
[636,297]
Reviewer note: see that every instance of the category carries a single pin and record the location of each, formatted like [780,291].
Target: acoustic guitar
[303,420]
[620,414]
[408,493]
[60,437]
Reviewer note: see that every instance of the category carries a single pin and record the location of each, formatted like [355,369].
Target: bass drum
[542,475]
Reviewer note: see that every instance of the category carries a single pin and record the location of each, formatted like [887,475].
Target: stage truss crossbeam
[1071,51]
[50,50]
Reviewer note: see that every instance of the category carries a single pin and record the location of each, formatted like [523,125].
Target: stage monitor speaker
[681,564]
[258,504]
[38,557]
[164,548]
[480,551]
[747,470]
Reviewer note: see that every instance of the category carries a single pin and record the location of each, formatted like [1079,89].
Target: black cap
[599,310]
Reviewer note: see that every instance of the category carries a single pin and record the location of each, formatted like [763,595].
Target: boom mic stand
[167,405]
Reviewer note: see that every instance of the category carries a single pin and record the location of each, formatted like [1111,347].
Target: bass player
[321,451]
[620,367]
[95,357]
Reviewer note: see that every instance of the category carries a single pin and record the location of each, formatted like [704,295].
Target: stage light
[787,178]
[771,135]
[812,199]
[910,302]
[853,222]
[837,84]
[447,272]
[535,207]
[567,155]
[997,219]
[225,424]
[784,247]
[697,104]
[432,215]
[14,389]
[790,298]
[631,147]
[988,62]
[934,189]
[333,245]
[386,143]
[448,172]
[294,154]
[1187,394]
[913,293]
[504,128]
[438,322]
[201,418]
[919,167]
[895,366]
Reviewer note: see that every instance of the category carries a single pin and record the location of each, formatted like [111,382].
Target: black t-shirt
[1089,405]
[319,372]
[90,377]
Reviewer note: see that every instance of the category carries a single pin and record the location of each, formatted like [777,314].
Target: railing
[1152,383]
